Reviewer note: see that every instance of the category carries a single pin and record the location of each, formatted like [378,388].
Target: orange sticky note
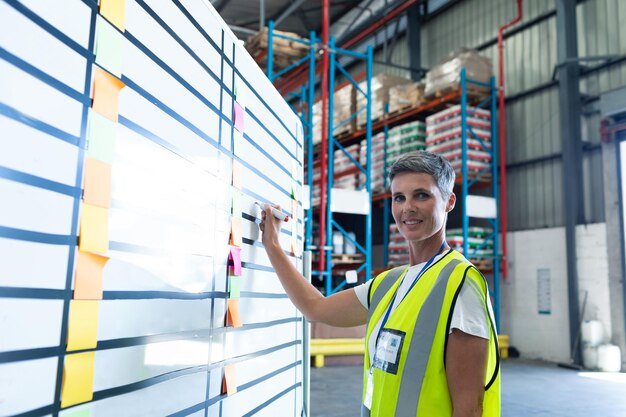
[115,12]
[237,174]
[233,318]
[77,386]
[229,384]
[88,276]
[82,328]
[94,229]
[106,91]
[235,232]
[97,184]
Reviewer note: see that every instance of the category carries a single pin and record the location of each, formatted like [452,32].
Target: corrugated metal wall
[535,191]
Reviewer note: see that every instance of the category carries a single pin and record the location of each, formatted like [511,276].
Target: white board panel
[162,343]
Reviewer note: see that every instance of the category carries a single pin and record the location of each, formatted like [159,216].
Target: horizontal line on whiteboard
[125,389]
[39,237]
[43,77]
[33,293]
[54,351]
[153,295]
[251,294]
[40,182]
[42,411]
[271,400]
[195,23]
[257,267]
[217,398]
[36,124]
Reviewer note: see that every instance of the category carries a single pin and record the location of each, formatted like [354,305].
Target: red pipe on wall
[323,153]
[502,134]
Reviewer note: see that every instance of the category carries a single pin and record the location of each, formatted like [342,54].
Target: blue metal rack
[333,143]
[466,133]
[306,97]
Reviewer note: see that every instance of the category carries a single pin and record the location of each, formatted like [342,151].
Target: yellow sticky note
[229,385]
[97,183]
[94,229]
[115,12]
[233,318]
[82,328]
[88,276]
[106,91]
[77,384]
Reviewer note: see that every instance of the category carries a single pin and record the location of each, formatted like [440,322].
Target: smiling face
[418,207]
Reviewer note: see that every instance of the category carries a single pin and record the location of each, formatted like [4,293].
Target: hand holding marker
[277,213]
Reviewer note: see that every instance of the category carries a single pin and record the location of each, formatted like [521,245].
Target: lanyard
[430,261]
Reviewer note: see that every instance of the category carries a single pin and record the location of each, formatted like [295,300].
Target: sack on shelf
[446,77]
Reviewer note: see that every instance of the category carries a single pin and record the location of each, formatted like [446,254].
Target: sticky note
[106,91]
[237,175]
[94,229]
[235,232]
[238,117]
[241,92]
[234,260]
[236,199]
[115,12]
[237,143]
[101,133]
[109,48]
[97,183]
[232,317]
[86,412]
[234,287]
[82,328]
[77,386]
[229,385]
[88,276]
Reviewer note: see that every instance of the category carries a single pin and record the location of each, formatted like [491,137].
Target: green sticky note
[236,203]
[234,287]
[101,134]
[80,413]
[109,48]
[240,92]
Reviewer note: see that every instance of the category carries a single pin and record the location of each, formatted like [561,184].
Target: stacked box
[401,139]
[343,108]
[443,136]
[445,77]
[478,245]
[398,247]
[402,97]
[381,85]
[341,163]
[286,52]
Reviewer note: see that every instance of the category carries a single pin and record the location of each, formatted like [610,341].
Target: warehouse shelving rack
[365,247]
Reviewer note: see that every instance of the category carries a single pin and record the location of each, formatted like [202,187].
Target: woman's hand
[270,227]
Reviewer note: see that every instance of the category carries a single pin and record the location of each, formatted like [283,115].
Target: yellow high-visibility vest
[420,387]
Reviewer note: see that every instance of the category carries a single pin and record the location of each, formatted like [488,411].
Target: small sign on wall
[544,293]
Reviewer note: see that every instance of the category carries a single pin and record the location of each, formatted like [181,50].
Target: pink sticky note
[234,260]
[238,116]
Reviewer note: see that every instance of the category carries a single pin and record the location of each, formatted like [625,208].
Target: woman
[436,355]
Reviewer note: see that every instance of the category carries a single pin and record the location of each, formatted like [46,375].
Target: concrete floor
[536,389]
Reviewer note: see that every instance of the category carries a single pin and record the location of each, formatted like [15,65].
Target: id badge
[388,350]
[369,389]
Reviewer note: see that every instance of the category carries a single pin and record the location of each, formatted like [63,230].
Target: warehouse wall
[546,336]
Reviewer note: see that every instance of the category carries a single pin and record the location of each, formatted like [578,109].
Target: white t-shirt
[469,314]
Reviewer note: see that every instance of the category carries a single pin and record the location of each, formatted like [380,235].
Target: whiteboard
[162,340]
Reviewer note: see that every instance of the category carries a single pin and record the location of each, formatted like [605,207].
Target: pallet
[475,94]
[343,258]
[482,264]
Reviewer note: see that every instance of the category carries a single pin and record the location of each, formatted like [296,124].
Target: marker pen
[277,213]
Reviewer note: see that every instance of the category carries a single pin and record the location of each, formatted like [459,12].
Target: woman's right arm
[342,309]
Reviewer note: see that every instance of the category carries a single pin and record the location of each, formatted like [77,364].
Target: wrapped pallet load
[446,77]
[343,108]
[406,96]
[286,52]
[381,85]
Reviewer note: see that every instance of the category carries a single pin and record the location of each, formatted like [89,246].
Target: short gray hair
[428,163]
